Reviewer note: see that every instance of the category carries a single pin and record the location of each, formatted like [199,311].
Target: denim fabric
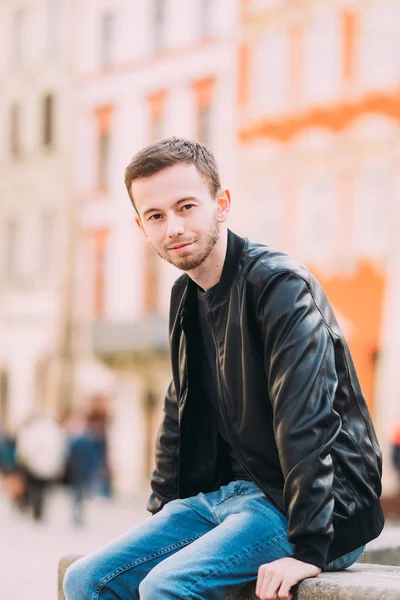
[345,561]
[203,547]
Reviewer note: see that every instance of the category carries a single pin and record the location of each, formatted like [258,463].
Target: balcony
[124,341]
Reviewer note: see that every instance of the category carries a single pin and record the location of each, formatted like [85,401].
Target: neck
[209,272]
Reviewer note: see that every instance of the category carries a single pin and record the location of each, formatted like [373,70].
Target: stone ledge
[369,582]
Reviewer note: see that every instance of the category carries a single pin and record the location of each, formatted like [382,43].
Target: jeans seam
[140,561]
[240,492]
[232,495]
[238,559]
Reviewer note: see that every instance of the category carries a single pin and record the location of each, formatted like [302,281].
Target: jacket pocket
[344,495]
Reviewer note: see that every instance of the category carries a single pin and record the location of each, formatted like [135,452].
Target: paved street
[29,552]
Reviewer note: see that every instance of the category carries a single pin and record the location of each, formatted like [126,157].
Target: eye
[155,217]
[187,206]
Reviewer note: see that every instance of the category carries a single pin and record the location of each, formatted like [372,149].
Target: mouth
[180,247]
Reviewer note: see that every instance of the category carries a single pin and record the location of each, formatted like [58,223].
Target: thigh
[116,570]
[251,532]
[345,561]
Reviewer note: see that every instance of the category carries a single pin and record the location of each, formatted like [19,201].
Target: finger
[284,591]
[260,579]
[263,584]
[271,590]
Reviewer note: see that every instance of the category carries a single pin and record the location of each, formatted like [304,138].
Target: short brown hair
[167,152]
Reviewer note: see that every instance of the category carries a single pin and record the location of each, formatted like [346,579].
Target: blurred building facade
[144,70]
[320,150]
[300,104]
[36,108]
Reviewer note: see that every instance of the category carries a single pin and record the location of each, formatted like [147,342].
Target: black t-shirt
[208,376]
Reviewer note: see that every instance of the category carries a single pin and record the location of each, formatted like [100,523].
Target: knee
[157,584]
[150,587]
[79,581]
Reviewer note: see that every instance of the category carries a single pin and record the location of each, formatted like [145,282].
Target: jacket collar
[233,253]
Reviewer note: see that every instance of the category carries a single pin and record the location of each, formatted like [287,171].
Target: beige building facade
[320,148]
[36,112]
[300,106]
[175,76]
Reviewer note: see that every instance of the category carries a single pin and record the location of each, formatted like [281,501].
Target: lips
[179,246]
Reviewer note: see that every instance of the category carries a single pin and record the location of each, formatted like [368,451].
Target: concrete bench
[360,582]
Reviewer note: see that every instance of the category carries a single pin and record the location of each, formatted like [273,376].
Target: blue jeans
[204,547]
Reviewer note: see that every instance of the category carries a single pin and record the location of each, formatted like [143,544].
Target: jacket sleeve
[164,479]
[302,380]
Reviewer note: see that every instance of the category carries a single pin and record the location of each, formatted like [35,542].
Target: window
[349,33]
[270,73]
[4,398]
[103,115]
[373,194]
[107,38]
[152,280]
[203,91]
[150,406]
[104,150]
[11,248]
[205,18]
[157,127]
[323,57]
[54,21]
[47,242]
[157,114]
[41,380]
[48,120]
[19,26]
[266,205]
[379,44]
[15,130]
[317,218]
[159,23]
[295,62]
[100,239]
[204,124]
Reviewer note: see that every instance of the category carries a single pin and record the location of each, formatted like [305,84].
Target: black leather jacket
[290,399]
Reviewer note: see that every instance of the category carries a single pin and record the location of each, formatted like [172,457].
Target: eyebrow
[177,203]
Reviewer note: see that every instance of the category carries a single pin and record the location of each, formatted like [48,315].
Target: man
[41,452]
[267,464]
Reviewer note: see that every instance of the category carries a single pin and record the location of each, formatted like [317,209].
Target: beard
[189,260]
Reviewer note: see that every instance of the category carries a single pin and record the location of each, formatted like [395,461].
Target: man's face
[178,215]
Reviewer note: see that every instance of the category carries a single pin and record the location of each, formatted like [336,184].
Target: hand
[275,579]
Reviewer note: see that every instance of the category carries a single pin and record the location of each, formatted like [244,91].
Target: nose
[175,226]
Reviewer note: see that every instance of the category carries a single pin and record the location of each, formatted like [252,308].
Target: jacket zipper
[225,420]
[185,372]
[182,393]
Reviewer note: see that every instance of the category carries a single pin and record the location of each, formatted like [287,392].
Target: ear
[224,205]
[140,225]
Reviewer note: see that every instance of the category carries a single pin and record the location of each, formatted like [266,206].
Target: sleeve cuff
[312,550]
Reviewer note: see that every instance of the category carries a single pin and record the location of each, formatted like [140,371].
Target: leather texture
[290,400]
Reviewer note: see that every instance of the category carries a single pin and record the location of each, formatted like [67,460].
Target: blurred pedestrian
[8,461]
[98,421]
[13,476]
[396,453]
[83,464]
[41,452]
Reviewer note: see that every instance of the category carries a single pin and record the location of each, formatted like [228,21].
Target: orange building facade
[319,105]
